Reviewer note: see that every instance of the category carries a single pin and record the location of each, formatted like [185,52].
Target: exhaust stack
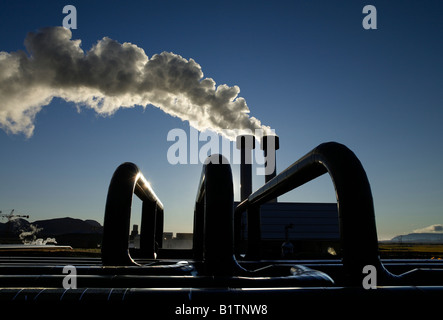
[245,143]
[270,144]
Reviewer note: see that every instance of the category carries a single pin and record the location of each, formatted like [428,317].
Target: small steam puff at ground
[30,237]
[111,76]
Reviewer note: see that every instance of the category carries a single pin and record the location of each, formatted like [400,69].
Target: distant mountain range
[68,225]
[51,227]
[88,233]
[435,237]
[65,231]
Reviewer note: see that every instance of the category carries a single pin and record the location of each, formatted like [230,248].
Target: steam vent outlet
[270,144]
[245,143]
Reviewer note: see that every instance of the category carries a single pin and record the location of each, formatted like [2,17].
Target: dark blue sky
[307,69]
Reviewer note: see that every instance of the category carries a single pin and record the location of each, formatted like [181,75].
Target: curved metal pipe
[213,220]
[126,181]
[358,234]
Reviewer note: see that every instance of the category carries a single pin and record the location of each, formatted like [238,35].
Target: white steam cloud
[110,76]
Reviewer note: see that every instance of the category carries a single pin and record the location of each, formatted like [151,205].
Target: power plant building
[305,227]
[311,228]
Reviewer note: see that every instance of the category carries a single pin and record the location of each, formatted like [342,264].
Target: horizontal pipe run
[274,298]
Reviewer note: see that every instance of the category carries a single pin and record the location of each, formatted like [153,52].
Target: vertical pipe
[270,144]
[245,143]
[254,233]
[218,250]
[197,245]
[159,224]
[237,234]
[147,232]
[117,216]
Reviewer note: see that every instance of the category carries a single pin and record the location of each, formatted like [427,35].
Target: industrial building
[288,229]
[296,230]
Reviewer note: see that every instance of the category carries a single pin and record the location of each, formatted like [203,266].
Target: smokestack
[269,145]
[245,143]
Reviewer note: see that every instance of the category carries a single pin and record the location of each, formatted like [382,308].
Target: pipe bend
[126,180]
[358,234]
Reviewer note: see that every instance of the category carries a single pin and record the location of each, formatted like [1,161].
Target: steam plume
[30,235]
[111,76]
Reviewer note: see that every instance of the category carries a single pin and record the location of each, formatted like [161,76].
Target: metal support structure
[126,181]
[215,274]
[358,234]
